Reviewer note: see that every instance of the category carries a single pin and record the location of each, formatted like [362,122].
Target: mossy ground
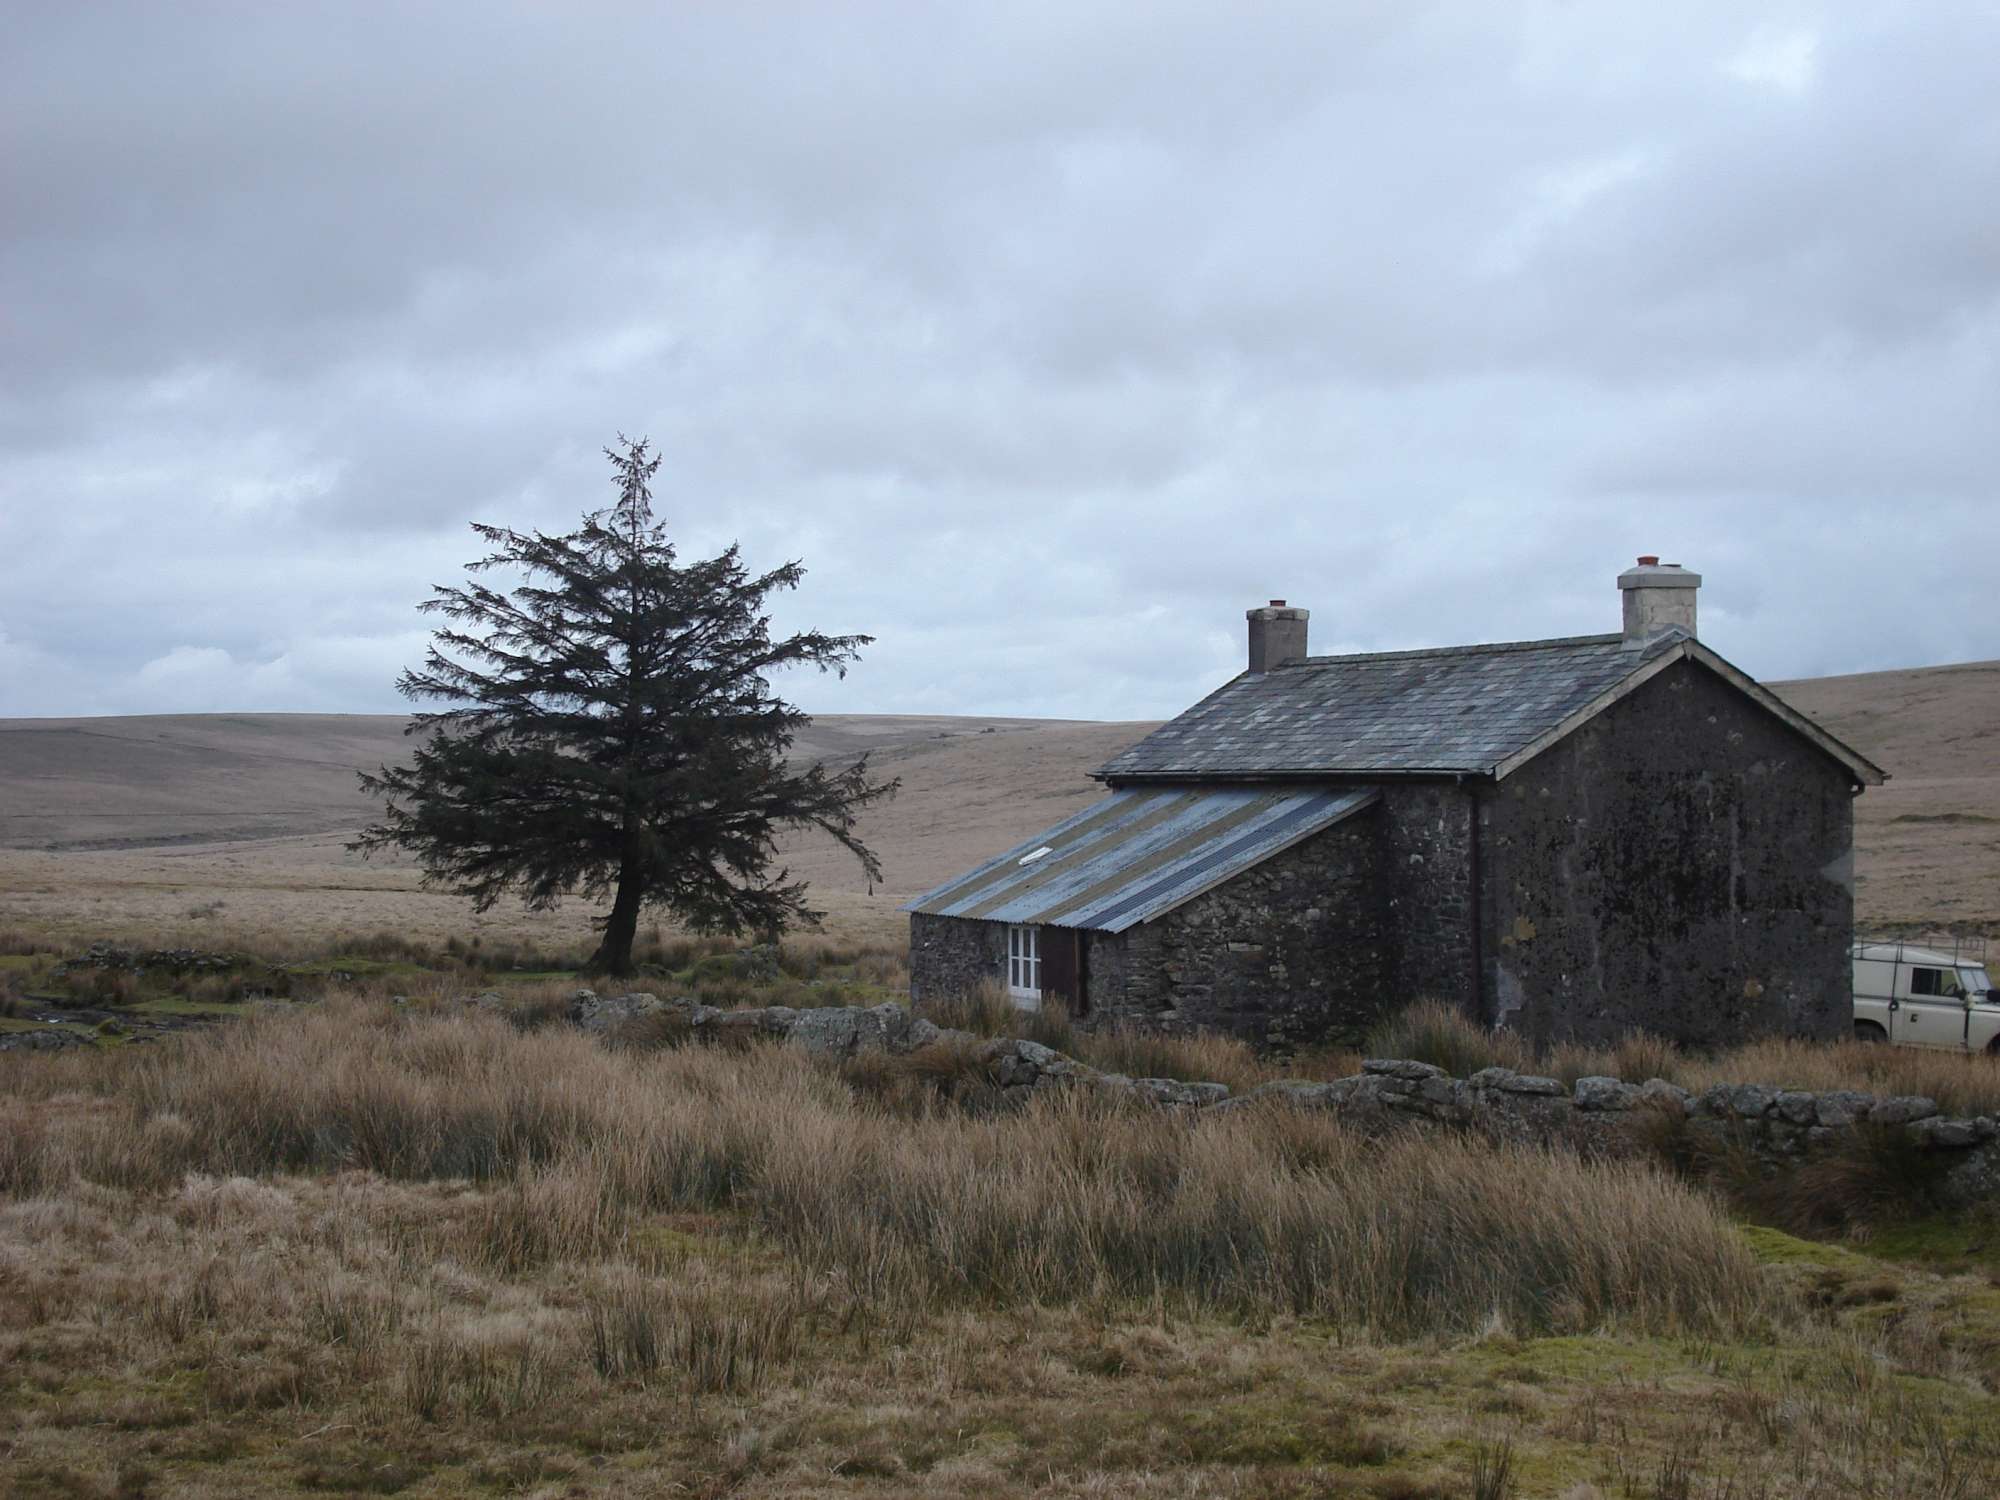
[1042,1401]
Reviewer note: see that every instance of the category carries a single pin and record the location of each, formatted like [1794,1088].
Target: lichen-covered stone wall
[1288,953]
[953,955]
[1293,951]
[1682,863]
[1428,885]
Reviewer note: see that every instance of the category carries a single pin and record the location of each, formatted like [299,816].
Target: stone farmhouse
[1569,838]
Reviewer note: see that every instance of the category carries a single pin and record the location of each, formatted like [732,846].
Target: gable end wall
[1682,863]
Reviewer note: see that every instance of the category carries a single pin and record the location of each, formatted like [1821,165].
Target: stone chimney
[1658,596]
[1277,635]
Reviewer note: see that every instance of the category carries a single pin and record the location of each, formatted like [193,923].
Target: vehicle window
[1932,982]
[1975,981]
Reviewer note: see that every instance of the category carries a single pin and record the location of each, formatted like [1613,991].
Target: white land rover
[1928,993]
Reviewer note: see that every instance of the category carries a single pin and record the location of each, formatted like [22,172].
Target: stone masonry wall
[1290,952]
[1780,1128]
[1427,869]
[952,955]
[1682,863]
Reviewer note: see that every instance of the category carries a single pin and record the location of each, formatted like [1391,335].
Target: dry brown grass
[1961,1084]
[1283,1213]
[1073,1197]
[987,1011]
[357,1248]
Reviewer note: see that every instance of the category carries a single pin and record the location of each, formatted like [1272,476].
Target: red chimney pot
[1649,562]
[1277,604]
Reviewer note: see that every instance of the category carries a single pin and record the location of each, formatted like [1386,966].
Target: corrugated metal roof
[1139,853]
[1461,709]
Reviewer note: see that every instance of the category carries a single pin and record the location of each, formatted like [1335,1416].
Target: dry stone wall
[1779,1127]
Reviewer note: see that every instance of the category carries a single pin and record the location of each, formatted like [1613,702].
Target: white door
[1930,1007]
[1024,967]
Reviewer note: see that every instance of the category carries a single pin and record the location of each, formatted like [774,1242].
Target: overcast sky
[1050,337]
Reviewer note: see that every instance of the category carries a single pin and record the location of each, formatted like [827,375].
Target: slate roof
[1138,853]
[1457,710]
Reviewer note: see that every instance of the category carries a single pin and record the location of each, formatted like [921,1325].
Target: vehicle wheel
[1868,1031]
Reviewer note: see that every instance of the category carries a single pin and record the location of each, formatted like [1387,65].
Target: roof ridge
[1485,647]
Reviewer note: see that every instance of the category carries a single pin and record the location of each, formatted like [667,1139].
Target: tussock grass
[947,1076]
[1873,1176]
[1258,1214]
[375,1249]
[1206,1058]
[1253,1213]
[1961,1084]
[986,1010]
[715,1341]
[1867,1179]
[1430,1031]
[18,942]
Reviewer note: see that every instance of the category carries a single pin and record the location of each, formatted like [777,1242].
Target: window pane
[1925,982]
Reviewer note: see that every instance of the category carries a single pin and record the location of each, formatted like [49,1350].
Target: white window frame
[1024,966]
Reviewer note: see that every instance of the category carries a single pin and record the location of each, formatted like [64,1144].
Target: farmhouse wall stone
[1285,955]
[952,956]
[1428,855]
[1288,953]
[1683,863]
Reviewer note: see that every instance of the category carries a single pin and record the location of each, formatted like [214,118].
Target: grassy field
[361,1246]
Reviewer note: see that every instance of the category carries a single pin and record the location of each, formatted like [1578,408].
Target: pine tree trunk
[614,953]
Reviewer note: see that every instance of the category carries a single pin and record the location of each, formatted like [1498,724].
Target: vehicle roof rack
[1964,947]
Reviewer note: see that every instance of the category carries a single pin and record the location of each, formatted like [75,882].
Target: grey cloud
[1051,337]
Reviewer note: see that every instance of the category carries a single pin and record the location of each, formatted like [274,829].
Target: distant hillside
[154,780]
[1929,841]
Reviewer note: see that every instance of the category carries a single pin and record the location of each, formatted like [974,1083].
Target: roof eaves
[1357,774]
[1859,766]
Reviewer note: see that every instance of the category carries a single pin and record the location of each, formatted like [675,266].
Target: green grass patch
[178,1005]
[1773,1247]
[1943,1242]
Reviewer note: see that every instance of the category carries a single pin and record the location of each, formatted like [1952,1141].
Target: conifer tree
[608,729]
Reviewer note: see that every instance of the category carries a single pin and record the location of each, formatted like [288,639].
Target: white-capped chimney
[1658,597]
[1277,635]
